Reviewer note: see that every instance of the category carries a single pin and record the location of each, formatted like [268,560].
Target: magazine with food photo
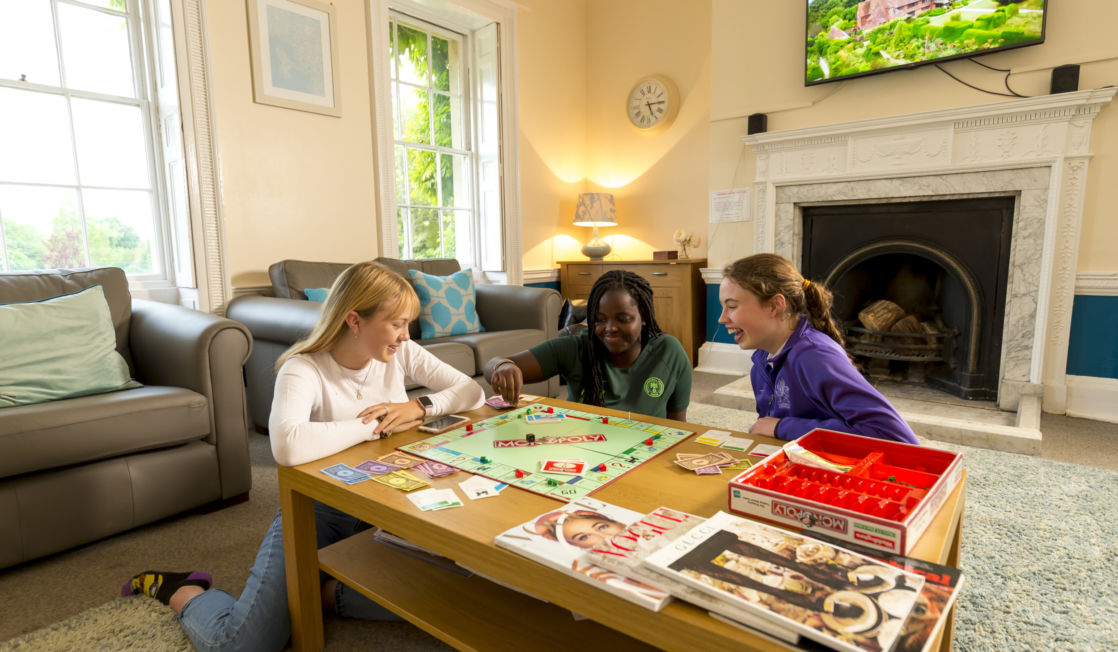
[941,585]
[841,599]
[562,538]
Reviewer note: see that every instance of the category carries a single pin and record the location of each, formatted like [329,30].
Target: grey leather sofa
[79,469]
[515,318]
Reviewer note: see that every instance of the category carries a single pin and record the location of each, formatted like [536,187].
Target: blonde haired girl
[341,385]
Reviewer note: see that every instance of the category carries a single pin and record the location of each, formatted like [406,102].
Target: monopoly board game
[514,446]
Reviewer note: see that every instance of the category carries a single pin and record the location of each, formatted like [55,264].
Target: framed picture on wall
[294,48]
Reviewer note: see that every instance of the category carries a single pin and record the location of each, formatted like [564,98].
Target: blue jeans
[258,620]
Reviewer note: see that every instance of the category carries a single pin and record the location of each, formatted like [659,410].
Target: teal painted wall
[715,332]
[1093,349]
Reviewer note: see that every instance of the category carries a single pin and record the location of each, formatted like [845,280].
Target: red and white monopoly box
[869,491]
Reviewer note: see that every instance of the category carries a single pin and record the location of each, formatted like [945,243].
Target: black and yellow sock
[162,585]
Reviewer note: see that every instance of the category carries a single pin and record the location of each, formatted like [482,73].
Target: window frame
[193,243]
[465,97]
[464,16]
[138,17]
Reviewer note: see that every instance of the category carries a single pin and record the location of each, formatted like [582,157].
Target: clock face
[652,102]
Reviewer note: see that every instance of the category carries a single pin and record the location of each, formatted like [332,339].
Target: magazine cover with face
[563,537]
[839,598]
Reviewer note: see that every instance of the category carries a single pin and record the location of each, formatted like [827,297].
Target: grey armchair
[79,469]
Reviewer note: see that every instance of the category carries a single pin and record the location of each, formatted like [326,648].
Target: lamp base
[596,249]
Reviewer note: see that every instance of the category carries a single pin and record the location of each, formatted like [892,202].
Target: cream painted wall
[659,180]
[551,79]
[294,184]
[578,62]
[757,54]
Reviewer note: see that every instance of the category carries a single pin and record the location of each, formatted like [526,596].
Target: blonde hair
[364,288]
[767,275]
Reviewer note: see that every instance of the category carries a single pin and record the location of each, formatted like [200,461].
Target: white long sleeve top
[315,406]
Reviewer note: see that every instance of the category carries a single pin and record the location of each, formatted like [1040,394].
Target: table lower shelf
[469,613]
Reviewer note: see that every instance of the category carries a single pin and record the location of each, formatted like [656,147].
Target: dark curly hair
[596,356]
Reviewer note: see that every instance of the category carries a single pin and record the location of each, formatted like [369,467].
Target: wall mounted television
[852,38]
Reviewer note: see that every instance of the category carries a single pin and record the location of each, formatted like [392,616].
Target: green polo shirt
[658,382]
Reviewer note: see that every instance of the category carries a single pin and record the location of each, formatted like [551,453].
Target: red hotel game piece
[605,419]
[551,410]
[601,467]
[648,442]
[469,427]
[519,474]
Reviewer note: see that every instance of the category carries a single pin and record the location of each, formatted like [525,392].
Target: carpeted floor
[1039,553]
[1040,549]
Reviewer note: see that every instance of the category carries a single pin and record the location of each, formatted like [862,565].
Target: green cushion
[60,347]
[316,294]
[447,304]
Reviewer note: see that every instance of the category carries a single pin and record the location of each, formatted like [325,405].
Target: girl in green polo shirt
[621,361]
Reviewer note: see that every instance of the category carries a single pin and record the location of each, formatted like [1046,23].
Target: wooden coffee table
[475,613]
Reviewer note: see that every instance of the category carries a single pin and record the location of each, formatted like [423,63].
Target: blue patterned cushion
[447,304]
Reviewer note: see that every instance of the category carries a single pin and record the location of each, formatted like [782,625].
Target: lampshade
[595,209]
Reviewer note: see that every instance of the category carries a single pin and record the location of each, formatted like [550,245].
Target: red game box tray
[886,500]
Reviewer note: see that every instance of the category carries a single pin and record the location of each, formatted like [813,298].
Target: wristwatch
[425,403]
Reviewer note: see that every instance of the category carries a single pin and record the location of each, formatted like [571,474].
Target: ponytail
[767,275]
[817,305]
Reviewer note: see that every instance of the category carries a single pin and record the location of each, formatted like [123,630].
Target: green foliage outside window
[432,232]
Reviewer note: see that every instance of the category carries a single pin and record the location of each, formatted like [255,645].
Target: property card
[736,443]
[374,467]
[432,499]
[346,474]
[764,450]
[564,467]
[712,437]
[478,487]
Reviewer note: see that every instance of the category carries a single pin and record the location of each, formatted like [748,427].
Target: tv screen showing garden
[848,37]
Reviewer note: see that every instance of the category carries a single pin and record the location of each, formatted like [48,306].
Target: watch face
[648,104]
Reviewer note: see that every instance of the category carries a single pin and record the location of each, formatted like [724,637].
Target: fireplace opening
[919,287]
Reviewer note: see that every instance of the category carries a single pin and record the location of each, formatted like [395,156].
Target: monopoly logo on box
[810,518]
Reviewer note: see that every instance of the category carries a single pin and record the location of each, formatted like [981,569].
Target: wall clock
[653,103]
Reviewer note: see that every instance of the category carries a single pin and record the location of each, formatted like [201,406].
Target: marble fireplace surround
[1034,150]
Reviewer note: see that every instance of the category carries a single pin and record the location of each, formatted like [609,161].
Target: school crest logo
[782,395]
[654,387]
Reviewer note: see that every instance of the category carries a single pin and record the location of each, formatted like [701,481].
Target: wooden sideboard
[679,295]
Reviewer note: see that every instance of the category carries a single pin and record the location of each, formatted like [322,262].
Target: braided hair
[767,275]
[596,356]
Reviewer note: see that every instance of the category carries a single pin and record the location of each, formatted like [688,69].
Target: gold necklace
[356,387]
[362,386]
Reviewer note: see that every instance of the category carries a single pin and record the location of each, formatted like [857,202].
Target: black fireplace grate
[910,347]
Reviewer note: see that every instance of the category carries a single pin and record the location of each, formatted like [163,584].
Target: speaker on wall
[1065,78]
[758,123]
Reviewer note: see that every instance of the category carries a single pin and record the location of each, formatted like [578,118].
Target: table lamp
[595,209]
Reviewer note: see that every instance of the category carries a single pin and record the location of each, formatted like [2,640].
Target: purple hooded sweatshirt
[811,384]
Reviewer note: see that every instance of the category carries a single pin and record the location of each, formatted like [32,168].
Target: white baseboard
[1092,398]
[724,358]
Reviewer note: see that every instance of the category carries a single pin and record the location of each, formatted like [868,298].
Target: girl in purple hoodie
[802,377]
